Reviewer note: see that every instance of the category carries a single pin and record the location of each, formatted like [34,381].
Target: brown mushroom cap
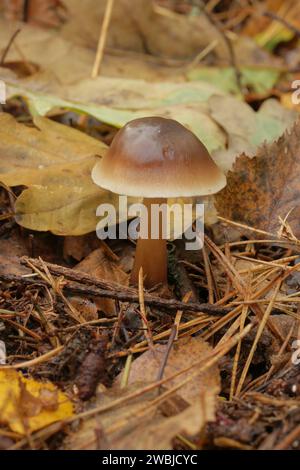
[157,157]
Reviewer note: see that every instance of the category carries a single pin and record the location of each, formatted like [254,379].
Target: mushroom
[156,158]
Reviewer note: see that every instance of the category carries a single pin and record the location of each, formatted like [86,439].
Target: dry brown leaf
[98,264]
[11,250]
[185,352]
[49,13]
[70,51]
[12,9]
[137,425]
[76,247]
[259,23]
[67,62]
[137,26]
[263,188]
[11,265]
[80,247]
[86,307]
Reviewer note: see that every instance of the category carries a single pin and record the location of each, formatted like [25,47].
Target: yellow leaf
[27,405]
[55,162]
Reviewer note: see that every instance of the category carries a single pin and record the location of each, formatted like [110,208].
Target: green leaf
[257,79]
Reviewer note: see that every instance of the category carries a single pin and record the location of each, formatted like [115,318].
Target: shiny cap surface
[158,157]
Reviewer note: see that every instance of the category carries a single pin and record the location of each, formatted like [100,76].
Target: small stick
[122,296]
[164,334]
[57,288]
[126,371]
[117,326]
[260,329]
[95,286]
[148,333]
[102,38]
[281,351]
[167,353]
[208,275]
[37,360]
[288,440]
[10,42]
[179,313]
[25,330]
[244,226]
[231,51]
[242,321]
[240,286]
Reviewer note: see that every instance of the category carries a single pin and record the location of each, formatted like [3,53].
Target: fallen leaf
[199,106]
[116,101]
[134,32]
[11,250]
[29,155]
[247,129]
[145,27]
[141,423]
[137,26]
[48,13]
[258,23]
[268,31]
[27,405]
[100,265]
[257,79]
[55,162]
[86,307]
[70,56]
[77,248]
[184,352]
[12,9]
[136,425]
[263,188]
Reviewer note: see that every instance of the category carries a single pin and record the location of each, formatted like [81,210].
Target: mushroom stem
[151,254]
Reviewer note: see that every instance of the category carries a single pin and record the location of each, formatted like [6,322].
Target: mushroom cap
[157,157]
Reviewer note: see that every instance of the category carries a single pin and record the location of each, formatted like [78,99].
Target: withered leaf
[28,405]
[265,188]
[138,424]
[185,352]
[102,266]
